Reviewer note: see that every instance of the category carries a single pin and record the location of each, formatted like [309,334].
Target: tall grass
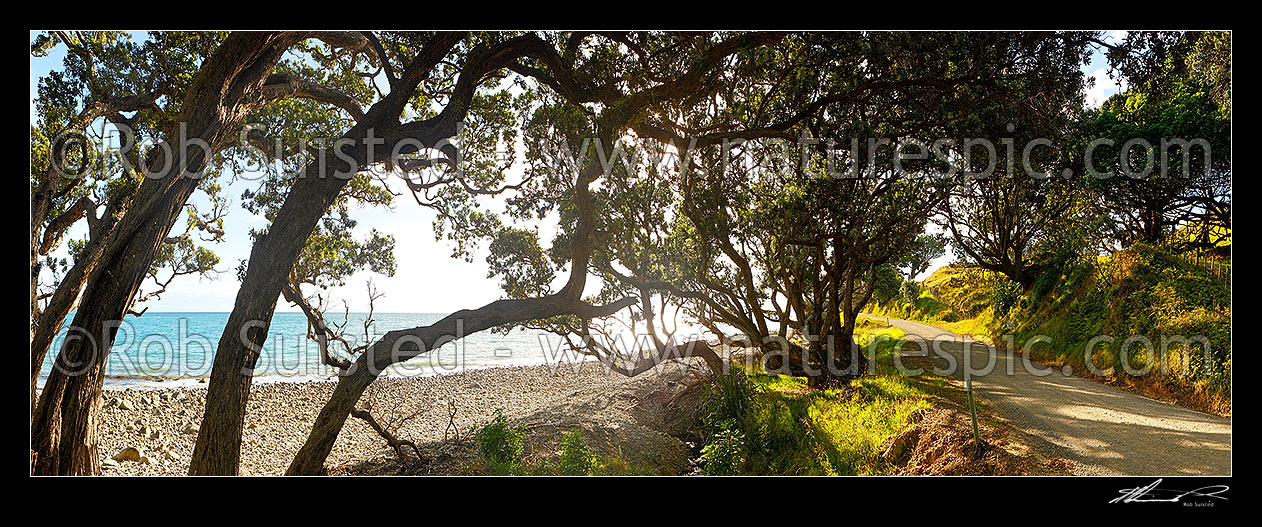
[759,424]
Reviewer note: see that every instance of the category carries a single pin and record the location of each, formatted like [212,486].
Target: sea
[159,350]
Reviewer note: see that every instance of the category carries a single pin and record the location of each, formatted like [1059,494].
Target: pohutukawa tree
[85,165]
[781,250]
[916,260]
[1012,195]
[1162,148]
[403,121]
[201,88]
[660,109]
[613,92]
[789,249]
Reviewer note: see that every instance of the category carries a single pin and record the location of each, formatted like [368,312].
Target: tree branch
[285,85]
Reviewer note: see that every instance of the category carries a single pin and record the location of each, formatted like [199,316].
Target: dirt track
[1104,430]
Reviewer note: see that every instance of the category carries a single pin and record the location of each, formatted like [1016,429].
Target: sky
[427,279]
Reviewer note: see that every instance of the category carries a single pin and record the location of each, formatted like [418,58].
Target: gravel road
[1106,431]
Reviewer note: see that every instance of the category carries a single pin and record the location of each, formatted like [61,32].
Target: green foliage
[724,454]
[79,152]
[576,458]
[773,223]
[728,400]
[148,74]
[1143,291]
[501,449]
[1004,295]
[515,254]
[758,424]
[1179,91]
[909,291]
[916,259]
[332,253]
[951,294]
[886,283]
[500,445]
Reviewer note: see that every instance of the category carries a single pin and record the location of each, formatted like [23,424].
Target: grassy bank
[1115,306]
[760,424]
[754,423]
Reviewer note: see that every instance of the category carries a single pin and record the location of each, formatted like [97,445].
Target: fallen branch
[391,439]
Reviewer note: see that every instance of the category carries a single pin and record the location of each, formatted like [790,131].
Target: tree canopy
[763,185]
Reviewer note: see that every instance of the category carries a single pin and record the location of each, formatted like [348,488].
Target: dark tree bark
[64,431]
[218,447]
[49,320]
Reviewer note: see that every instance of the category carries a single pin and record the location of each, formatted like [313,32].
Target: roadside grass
[1146,301]
[1142,294]
[759,424]
[955,298]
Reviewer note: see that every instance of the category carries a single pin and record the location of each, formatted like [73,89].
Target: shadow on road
[1105,430]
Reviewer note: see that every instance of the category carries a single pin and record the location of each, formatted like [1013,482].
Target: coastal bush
[1004,295]
[886,283]
[1143,291]
[500,445]
[909,291]
[576,458]
[727,400]
[724,454]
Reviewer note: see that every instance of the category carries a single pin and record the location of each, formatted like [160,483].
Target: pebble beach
[161,424]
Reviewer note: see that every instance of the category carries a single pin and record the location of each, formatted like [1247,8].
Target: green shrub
[727,399]
[619,466]
[1004,295]
[777,425]
[576,458]
[885,283]
[909,291]
[500,445]
[724,454]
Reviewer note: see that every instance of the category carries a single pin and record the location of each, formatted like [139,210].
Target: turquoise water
[179,347]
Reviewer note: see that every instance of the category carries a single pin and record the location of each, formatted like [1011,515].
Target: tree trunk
[73,388]
[64,431]
[328,424]
[59,305]
[218,448]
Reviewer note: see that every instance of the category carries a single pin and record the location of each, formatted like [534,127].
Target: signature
[1151,493]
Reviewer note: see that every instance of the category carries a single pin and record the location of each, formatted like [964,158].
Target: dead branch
[394,441]
[451,421]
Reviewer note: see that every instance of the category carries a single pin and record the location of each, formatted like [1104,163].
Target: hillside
[1131,299]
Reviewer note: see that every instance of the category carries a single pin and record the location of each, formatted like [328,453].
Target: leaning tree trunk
[60,304]
[401,345]
[64,431]
[218,447]
[73,388]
